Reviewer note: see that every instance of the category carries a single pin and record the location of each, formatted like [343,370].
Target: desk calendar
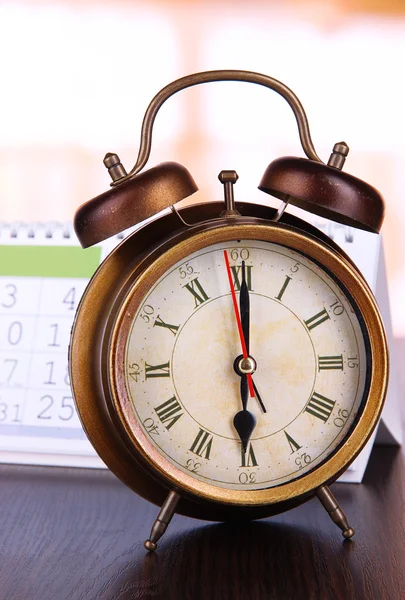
[43,273]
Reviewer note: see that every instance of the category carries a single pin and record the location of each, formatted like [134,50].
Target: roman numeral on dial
[162,370]
[319,406]
[330,362]
[169,412]
[160,323]
[202,444]
[198,292]
[293,444]
[248,457]
[237,276]
[317,319]
[283,288]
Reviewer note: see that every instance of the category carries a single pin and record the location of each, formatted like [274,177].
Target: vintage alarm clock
[228,360]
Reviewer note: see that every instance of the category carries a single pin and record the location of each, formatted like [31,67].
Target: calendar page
[43,274]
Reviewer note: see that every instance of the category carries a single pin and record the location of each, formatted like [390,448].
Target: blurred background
[77,77]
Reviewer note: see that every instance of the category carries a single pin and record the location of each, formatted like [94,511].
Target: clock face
[309,348]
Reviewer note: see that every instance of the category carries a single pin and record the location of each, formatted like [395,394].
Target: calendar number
[67,408]
[48,401]
[51,410]
[70,299]
[9,413]
[54,335]
[10,365]
[10,296]
[15,332]
[50,369]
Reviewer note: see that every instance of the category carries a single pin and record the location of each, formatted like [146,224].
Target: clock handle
[207,77]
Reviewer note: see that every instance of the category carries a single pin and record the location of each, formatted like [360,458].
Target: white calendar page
[43,274]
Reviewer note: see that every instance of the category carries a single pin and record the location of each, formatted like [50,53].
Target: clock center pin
[247,365]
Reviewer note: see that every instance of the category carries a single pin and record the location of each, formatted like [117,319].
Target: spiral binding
[32,231]
[52,233]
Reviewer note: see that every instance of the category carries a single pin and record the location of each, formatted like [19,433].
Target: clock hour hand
[244,421]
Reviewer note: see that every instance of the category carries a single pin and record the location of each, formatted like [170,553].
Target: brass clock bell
[228,360]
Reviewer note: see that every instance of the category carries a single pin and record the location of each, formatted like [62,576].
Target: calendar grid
[41,283]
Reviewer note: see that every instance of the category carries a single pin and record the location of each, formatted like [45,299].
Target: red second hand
[238,321]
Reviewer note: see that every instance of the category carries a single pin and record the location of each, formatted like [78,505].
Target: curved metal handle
[209,76]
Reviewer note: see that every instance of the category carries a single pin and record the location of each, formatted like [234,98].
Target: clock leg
[163,519]
[337,515]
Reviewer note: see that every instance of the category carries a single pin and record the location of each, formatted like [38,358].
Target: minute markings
[282,294]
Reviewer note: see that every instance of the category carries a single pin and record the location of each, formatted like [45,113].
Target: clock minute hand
[238,320]
[244,307]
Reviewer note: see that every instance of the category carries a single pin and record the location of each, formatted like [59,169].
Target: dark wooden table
[75,534]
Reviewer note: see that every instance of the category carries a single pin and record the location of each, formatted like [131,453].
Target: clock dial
[310,355]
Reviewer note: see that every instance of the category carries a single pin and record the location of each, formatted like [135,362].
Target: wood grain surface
[75,534]
[78,534]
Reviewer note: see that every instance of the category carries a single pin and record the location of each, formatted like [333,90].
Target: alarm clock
[227,359]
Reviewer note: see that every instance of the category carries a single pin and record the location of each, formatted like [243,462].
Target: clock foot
[163,519]
[337,515]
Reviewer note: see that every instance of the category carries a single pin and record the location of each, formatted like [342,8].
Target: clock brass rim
[333,465]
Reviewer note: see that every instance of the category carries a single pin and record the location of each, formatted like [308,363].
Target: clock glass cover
[306,338]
